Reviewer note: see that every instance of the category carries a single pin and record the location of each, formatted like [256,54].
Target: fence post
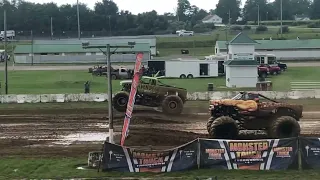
[299,155]
[194,48]
[199,153]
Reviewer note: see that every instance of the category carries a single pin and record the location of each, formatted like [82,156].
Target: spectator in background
[87,87]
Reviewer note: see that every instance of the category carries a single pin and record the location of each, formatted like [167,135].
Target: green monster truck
[152,92]
[252,111]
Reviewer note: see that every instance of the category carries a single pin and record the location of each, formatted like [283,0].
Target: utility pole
[5,49]
[110,109]
[110,25]
[281,16]
[51,28]
[229,22]
[32,48]
[258,15]
[227,31]
[107,53]
[78,15]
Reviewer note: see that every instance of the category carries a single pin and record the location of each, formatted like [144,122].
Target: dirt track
[72,133]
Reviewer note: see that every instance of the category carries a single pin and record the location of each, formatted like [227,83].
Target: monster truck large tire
[209,123]
[120,101]
[172,105]
[223,127]
[284,127]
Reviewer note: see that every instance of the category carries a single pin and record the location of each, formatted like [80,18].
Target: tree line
[106,16]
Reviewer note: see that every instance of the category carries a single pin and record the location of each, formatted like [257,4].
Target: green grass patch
[200,41]
[284,22]
[58,168]
[54,82]
[204,51]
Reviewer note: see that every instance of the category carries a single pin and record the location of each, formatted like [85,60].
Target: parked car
[282,66]
[274,69]
[186,33]
[180,31]
[263,71]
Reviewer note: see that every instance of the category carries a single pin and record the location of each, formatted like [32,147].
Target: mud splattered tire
[120,101]
[284,127]
[224,127]
[209,123]
[172,105]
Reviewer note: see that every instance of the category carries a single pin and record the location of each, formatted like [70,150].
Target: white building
[74,53]
[301,18]
[241,68]
[215,19]
[294,49]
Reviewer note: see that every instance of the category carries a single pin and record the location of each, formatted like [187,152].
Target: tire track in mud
[33,134]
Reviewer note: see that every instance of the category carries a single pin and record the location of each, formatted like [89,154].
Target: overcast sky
[138,6]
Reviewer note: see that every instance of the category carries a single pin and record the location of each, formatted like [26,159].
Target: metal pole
[5,49]
[78,15]
[51,28]
[281,16]
[258,15]
[110,95]
[32,48]
[227,31]
[110,25]
[229,22]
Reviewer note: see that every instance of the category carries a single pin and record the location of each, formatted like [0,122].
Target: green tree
[287,9]
[24,16]
[251,8]
[301,7]
[183,10]
[226,6]
[315,9]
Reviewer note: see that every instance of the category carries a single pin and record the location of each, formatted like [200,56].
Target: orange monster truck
[252,111]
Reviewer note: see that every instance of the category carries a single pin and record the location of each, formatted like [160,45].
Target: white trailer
[10,34]
[185,68]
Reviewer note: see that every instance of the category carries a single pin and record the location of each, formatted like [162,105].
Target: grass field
[202,45]
[195,52]
[14,168]
[221,35]
[53,82]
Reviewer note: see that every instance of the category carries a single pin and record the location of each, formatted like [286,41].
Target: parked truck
[10,34]
[120,73]
[271,60]
[185,68]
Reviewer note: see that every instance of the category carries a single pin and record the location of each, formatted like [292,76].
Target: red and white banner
[132,97]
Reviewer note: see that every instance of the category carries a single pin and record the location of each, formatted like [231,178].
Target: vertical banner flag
[132,96]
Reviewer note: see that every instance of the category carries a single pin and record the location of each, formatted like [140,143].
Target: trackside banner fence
[267,154]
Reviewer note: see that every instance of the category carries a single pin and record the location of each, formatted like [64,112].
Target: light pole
[258,15]
[107,53]
[78,15]
[51,28]
[281,17]
[5,49]
[110,25]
